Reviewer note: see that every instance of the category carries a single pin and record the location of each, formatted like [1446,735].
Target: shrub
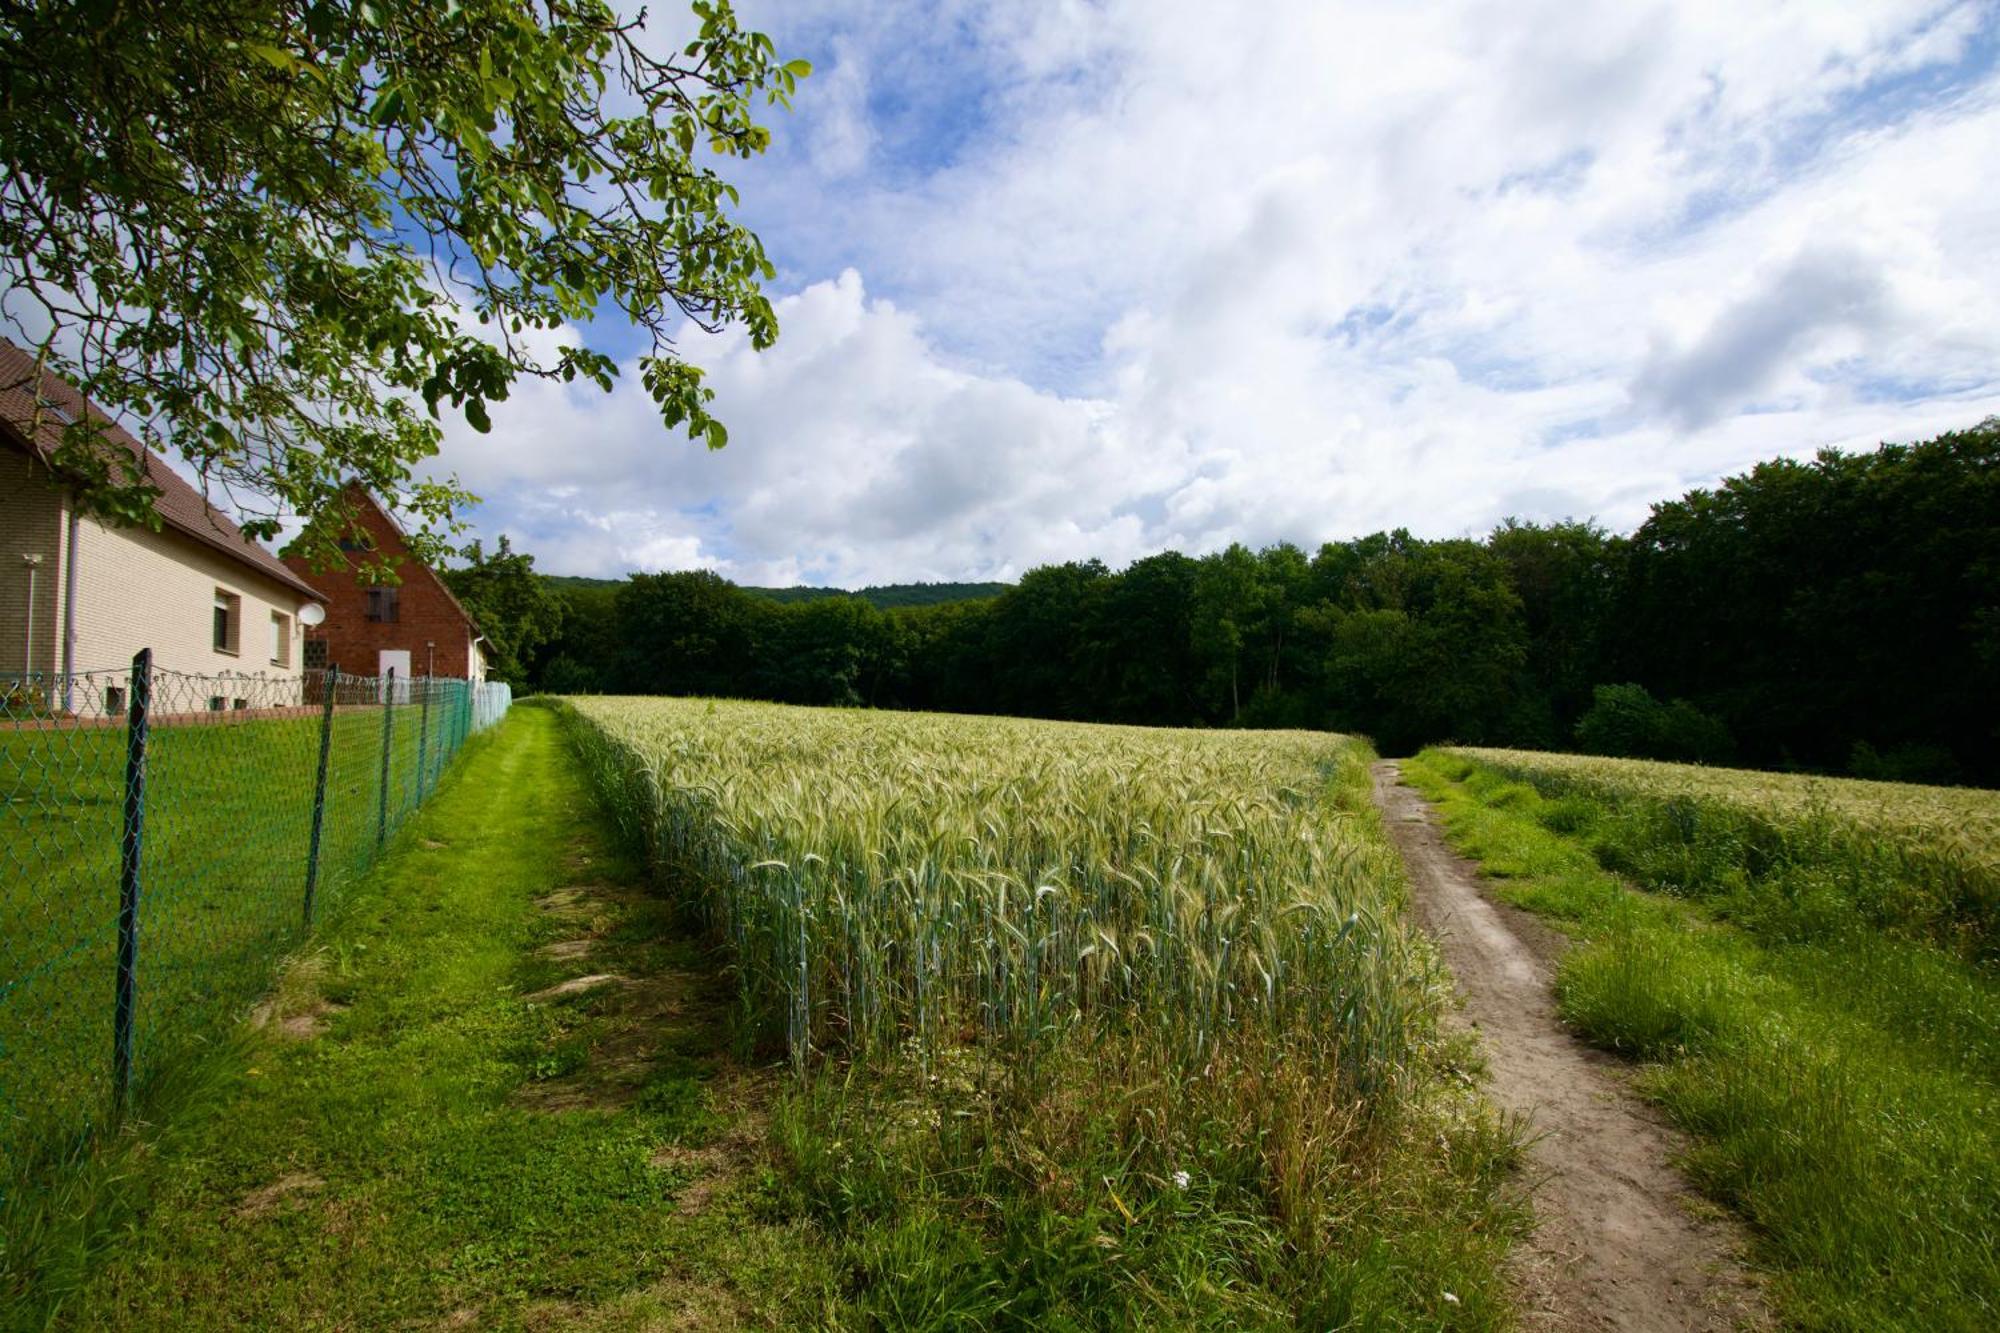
[1905,763]
[1628,722]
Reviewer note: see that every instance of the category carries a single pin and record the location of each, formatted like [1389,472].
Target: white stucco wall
[138,589]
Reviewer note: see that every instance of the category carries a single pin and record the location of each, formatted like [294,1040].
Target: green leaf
[275,56]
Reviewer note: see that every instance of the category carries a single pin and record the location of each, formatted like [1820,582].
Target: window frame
[281,639]
[227,624]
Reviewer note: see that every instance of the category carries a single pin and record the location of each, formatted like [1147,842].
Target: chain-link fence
[165,837]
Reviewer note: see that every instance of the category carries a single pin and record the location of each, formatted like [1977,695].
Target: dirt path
[1620,1241]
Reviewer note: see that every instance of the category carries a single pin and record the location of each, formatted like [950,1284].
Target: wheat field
[892,882]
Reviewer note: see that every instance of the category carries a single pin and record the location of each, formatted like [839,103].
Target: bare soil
[1620,1241]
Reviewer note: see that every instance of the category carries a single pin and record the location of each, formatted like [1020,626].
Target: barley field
[1967,818]
[1923,861]
[1123,1017]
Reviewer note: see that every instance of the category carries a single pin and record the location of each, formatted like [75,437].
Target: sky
[1066,280]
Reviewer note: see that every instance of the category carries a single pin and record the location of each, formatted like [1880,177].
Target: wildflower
[1181,1179]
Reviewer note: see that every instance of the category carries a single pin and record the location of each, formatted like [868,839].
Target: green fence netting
[164,839]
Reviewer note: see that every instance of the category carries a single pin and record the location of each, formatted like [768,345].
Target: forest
[1836,615]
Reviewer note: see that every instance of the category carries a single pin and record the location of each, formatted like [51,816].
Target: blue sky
[1077,279]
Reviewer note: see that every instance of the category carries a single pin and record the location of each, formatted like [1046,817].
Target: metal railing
[164,839]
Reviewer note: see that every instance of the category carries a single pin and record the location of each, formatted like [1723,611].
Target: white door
[397,660]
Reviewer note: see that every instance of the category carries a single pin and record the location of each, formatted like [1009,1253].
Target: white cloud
[1164,279]
[1762,333]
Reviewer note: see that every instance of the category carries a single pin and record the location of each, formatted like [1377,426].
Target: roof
[362,495]
[180,506]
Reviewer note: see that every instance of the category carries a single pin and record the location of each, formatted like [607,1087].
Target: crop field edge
[1783,1058]
[1428,1229]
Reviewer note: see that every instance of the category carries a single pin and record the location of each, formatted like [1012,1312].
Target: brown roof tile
[180,506]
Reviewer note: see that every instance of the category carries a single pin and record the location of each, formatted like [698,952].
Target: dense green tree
[582,658]
[826,651]
[1567,577]
[1229,598]
[518,612]
[1034,636]
[687,633]
[1432,647]
[1137,661]
[1814,604]
[277,236]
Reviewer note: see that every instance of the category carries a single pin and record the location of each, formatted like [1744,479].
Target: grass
[432,1130]
[228,823]
[1089,1026]
[1838,1076]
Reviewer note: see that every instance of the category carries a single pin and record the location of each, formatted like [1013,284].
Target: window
[281,639]
[228,622]
[215,703]
[385,605]
[316,654]
[114,699]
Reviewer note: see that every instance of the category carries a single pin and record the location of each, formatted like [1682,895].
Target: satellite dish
[311,614]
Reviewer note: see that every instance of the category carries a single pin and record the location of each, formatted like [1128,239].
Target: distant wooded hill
[1839,614]
[883,597]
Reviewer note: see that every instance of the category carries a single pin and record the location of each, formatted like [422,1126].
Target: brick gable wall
[429,626]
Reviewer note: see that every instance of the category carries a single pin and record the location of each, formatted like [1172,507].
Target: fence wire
[210,842]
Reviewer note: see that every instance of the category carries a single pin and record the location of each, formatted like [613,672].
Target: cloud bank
[1067,280]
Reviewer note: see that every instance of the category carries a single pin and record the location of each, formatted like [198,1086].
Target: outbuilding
[414,626]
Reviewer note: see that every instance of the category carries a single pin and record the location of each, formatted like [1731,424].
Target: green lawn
[228,819]
[1841,1081]
[434,1130]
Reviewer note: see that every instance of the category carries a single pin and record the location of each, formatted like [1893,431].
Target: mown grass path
[493,1095]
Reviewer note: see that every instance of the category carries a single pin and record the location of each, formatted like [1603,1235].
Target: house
[415,626]
[78,598]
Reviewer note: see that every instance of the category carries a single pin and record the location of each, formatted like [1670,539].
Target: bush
[1905,763]
[566,675]
[1628,722]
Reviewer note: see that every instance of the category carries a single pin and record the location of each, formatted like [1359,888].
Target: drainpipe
[34,564]
[69,614]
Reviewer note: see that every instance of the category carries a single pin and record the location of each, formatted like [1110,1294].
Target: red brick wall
[426,614]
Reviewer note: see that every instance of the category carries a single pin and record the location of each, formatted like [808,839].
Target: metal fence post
[131,857]
[319,790]
[423,738]
[388,703]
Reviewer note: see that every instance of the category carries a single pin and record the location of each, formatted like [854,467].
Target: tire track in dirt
[1620,1241]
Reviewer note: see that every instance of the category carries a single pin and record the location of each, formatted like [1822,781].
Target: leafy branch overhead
[282,238]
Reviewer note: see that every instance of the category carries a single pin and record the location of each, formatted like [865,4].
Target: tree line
[1841,614]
